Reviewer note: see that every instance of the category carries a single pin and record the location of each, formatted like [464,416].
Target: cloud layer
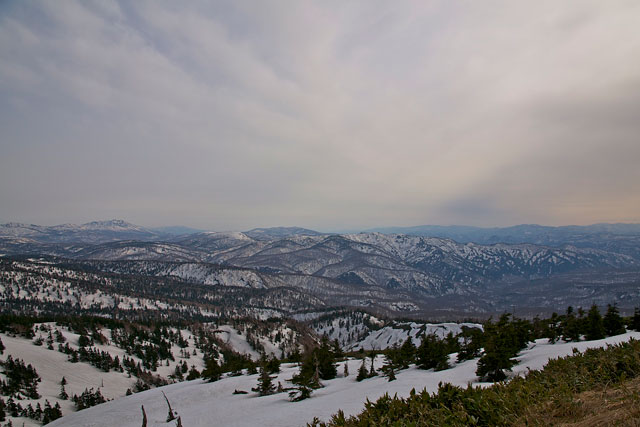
[330,115]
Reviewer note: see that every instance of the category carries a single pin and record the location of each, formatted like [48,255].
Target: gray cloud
[329,115]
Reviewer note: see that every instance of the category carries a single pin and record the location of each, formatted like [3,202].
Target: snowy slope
[206,404]
[357,330]
[52,365]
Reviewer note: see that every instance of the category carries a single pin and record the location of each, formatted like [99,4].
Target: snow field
[213,404]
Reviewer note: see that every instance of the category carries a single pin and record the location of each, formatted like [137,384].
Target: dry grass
[616,406]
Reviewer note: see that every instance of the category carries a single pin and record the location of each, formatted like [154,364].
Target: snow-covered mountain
[620,238]
[357,330]
[391,272]
[91,232]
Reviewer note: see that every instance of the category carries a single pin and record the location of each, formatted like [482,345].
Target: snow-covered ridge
[91,232]
[202,404]
[359,330]
[244,337]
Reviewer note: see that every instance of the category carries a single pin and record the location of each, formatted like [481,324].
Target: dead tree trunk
[144,417]
[170,417]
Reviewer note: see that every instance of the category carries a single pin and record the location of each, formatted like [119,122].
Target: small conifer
[612,322]
[594,329]
[362,372]
[265,383]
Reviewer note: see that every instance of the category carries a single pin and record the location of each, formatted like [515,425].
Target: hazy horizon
[337,230]
[327,115]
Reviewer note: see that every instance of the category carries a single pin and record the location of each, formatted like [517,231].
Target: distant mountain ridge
[394,272]
[623,238]
[523,233]
[91,232]
[279,232]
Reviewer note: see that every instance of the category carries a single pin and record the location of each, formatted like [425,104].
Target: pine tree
[212,370]
[472,343]
[51,413]
[553,329]
[389,371]
[570,326]
[635,320]
[452,343]
[346,369]
[392,374]
[265,383]
[594,329]
[503,341]
[63,393]
[362,372]
[193,373]
[406,353]
[432,354]
[302,390]
[612,322]
[321,360]
[272,365]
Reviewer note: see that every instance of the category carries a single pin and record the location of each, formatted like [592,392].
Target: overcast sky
[329,115]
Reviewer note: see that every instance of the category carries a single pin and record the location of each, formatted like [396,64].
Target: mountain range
[480,271]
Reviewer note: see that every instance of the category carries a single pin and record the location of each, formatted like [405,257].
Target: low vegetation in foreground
[598,387]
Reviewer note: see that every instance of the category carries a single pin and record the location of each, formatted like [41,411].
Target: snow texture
[205,404]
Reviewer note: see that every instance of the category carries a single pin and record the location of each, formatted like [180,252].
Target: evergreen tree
[87,399]
[432,354]
[406,354]
[193,373]
[51,413]
[212,370]
[265,383]
[63,393]
[362,372]
[272,364]
[452,343]
[12,407]
[392,375]
[472,343]
[388,370]
[570,326]
[635,320]
[553,330]
[3,413]
[1,347]
[594,328]
[503,341]
[346,369]
[20,378]
[302,390]
[320,360]
[612,322]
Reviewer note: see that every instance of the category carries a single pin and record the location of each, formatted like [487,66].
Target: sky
[229,115]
